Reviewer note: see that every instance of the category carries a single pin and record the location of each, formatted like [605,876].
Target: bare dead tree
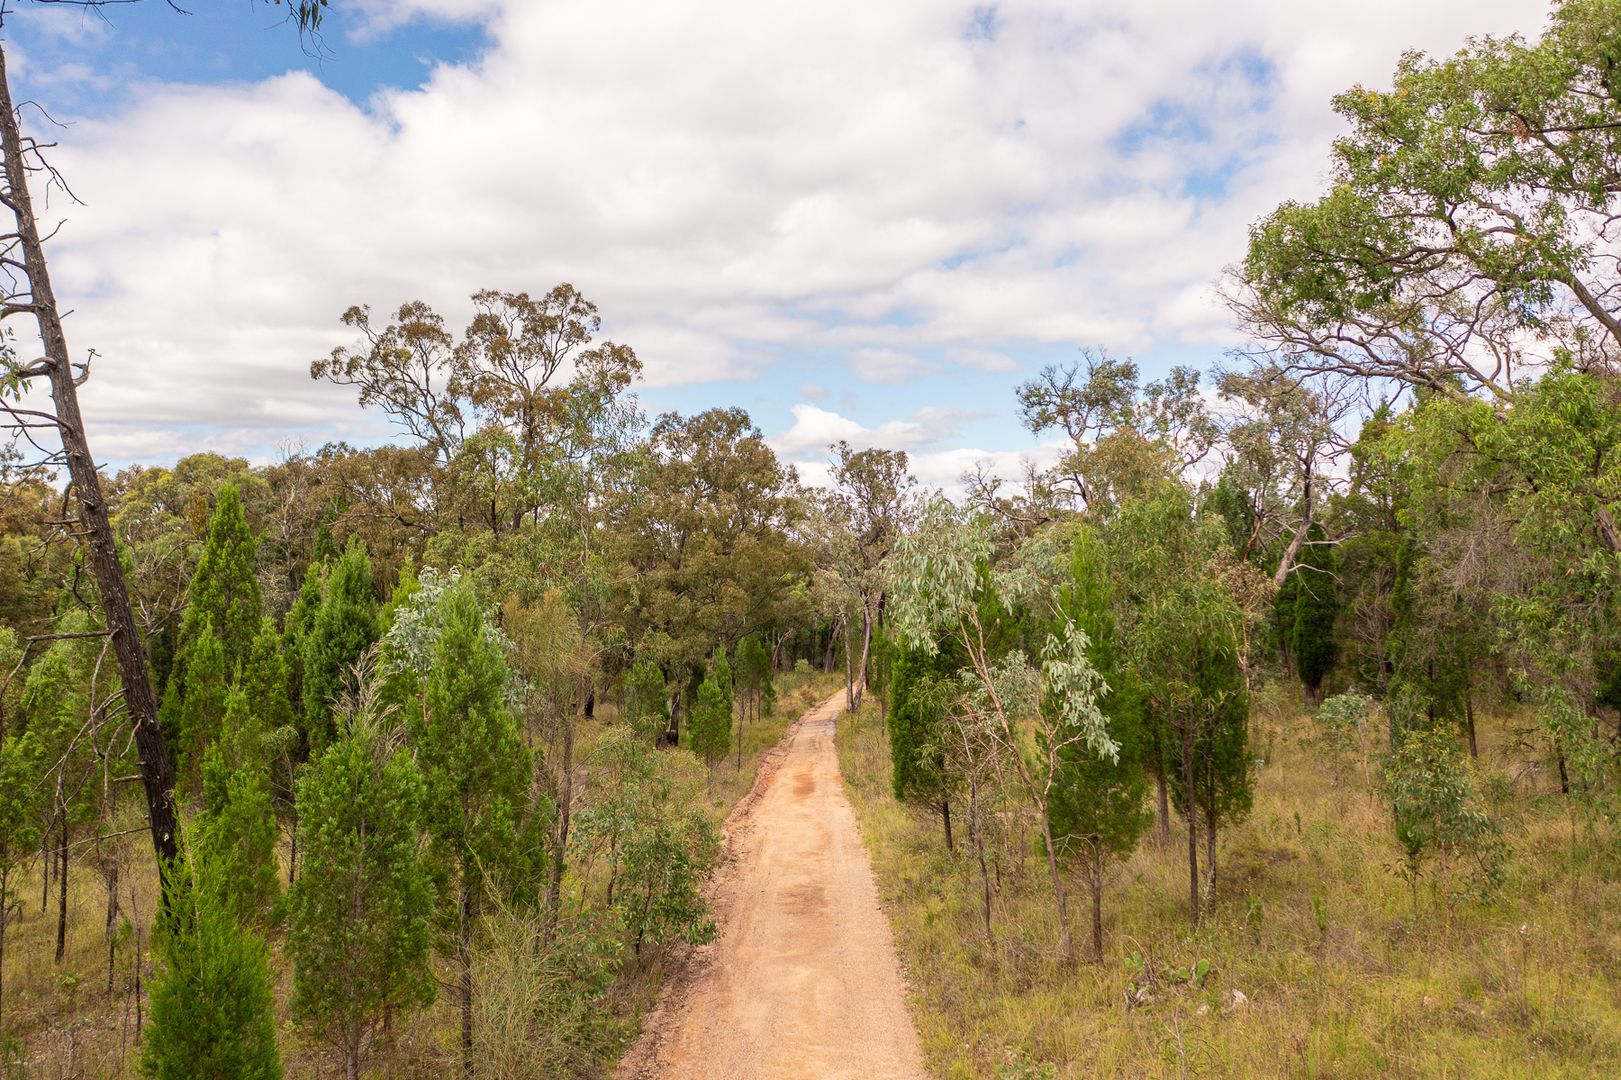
[57,433]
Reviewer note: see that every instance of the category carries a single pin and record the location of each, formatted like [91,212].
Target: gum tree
[939,576]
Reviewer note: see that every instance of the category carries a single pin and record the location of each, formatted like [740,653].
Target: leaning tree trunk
[94,527]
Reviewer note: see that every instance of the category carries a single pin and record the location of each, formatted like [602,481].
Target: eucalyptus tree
[941,575]
[873,492]
[1118,427]
[1466,220]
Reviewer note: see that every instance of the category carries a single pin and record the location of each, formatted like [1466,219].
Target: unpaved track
[803,981]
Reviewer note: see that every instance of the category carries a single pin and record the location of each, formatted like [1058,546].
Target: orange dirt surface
[803,980]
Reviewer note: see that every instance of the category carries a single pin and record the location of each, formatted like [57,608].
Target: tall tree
[213,1012]
[344,626]
[1099,810]
[479,779]
[1316,610]
[360,917]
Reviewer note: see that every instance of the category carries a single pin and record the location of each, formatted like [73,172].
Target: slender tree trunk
[1564,774]
[1193,826]
[1162,821]
[100,547]
[62,890]
[5,921]
[464,977]
[976,834]
[1210,857]
[1065,946]
[945,816]
[1469,715]
[112,920]
[1096,881]
[565,797]
[866,646]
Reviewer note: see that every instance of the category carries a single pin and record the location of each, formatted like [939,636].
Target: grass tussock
[1316,962]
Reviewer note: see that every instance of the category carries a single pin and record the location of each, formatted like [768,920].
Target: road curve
[803,981]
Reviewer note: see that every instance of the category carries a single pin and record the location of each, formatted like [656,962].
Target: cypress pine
[1316,607]
[212,1009]
[359,917]
[478,774]
[345,625]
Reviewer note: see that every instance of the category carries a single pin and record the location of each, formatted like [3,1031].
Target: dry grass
[61,1022]
[1342,977]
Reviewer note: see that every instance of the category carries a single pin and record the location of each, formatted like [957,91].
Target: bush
[1435,814]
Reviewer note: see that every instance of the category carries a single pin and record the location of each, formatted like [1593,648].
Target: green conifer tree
[236,830]
[917,684]
[359,917]
[223,589]
[709,724]
[1316,607]
[212,1009]
[296,627]
[647,700]
[343,628]
[478,774]
[194,702]
[22,765]
[1097,810]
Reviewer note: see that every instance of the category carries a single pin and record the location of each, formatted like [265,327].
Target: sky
[856,220]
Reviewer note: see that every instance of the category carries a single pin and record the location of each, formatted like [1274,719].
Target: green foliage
[1097,808]
[647,700]
[224,593]
[709,725]
[344,626]
[921,686]
[212,1013]
[477,770]
[359,914]
[660,843]
[1341,721]
[194,702]
[546,1007]
[1433,808]
[236,830]
[754,670]
[721,672]
[1316,607]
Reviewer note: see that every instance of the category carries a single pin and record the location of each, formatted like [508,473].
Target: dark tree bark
[94,528]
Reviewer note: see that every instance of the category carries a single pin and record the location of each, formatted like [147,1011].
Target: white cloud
[727,180]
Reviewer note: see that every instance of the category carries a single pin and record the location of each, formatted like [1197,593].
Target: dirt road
[803,981]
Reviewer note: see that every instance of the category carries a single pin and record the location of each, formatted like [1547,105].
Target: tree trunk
[1162,821]
[976,835]
[565,796]
[1193,826]
[5,920]
[1097,906]
[1292,552]
[866,645]
[101,550]
[945,816]
[464,977]
[1210,857]
[112,920]
[62,890]
[1066,947]
[1469,716]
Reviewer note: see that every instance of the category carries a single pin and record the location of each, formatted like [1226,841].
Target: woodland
[1274,730]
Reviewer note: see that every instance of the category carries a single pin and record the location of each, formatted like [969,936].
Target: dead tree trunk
[92,527]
